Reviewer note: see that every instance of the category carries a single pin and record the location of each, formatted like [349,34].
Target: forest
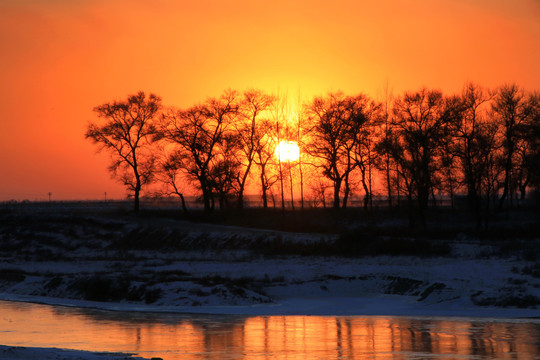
[413,149]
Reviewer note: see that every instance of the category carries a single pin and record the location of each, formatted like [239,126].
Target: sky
[61,58]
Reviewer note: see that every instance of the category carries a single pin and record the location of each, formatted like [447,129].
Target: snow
[61,258]
[28,353]
[308,286]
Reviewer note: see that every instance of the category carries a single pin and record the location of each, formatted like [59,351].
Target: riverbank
[368,305]
[141,263]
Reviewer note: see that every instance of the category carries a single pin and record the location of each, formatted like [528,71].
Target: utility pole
[50,193]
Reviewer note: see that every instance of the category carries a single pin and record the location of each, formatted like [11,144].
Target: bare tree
[170,171]
[264,159]
[532,155]
[420,124]
[529,148]
[514,109]
[366,119]
[333,137]
[473,143]
[251,130]
[225,170]
[197,134]
[386,163]
[302,125]
[127,133]
[279,111]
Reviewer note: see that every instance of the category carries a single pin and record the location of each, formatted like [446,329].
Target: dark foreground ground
[165,258]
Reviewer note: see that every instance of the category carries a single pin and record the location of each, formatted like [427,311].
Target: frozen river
[180,336]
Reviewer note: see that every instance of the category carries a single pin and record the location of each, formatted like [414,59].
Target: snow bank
[199,268]
[336,305]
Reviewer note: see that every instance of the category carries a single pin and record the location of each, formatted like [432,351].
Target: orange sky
[60,58]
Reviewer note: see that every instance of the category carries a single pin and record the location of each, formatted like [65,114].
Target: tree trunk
[207,198]
[367,193]
[241,198]
[137,191]
[263,189]
[301,185]
[388,181]
[291,183]
[337,188]
[184,207]
[136,205]
[346,192]
[281,183]
[507,173]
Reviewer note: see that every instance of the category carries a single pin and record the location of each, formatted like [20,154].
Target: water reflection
[173,336]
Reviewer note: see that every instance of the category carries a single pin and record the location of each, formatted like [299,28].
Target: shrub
[520,301]
[147,238]
[101,288]
[356,243]
[12,275]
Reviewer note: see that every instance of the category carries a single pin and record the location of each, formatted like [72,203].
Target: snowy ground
[132,263]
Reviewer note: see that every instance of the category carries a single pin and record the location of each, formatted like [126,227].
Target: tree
[385,163]
[252,131]
[473,142]
[366,118]
[332,139]
[531,155]
[196,134]
[448,181]
[419,126]
[279,112]
[170,170]
[127,133]
[226,170]
[515,110]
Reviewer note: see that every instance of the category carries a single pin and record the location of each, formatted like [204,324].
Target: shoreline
[8,352]
[372,306]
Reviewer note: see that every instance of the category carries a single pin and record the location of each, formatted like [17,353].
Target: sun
[287,151]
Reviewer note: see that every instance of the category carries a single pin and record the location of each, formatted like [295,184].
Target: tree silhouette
[515,110]
[264,158]
[473,142]
[127,133]
[366,117]
[225,170]
[196,134]
[385,162]
[333,137]
[532,137]
[422,144]
[252,129]
[419,126]
[301,125]
[170,171]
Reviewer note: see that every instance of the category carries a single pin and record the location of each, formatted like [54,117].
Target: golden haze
[60,59]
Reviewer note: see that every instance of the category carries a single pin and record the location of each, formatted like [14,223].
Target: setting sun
[287,151]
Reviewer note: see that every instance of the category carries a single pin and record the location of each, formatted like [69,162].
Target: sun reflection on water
[173,336]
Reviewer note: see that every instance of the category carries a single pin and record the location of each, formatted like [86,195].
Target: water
[176,336]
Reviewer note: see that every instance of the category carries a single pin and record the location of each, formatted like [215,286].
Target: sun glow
[287,151]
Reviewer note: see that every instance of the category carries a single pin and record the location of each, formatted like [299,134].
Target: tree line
[482,143]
